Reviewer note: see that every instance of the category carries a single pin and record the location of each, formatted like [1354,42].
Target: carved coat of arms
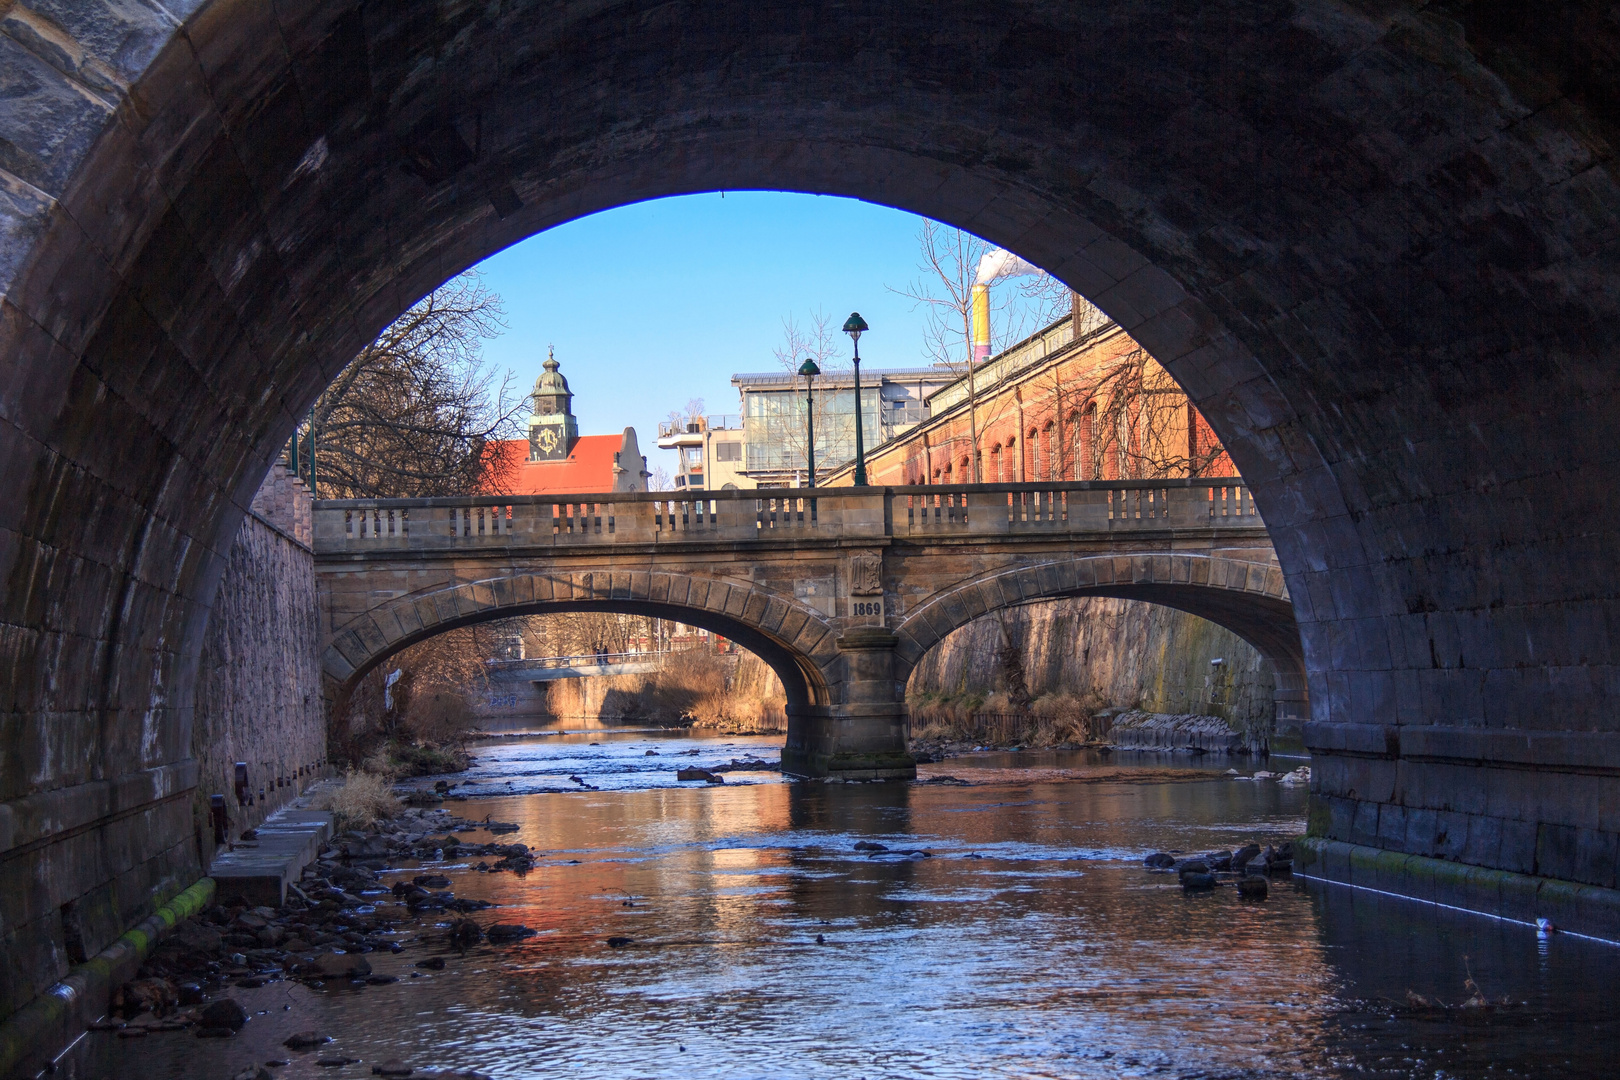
[866,575]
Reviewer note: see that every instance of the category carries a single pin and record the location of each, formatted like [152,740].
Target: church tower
[552,429]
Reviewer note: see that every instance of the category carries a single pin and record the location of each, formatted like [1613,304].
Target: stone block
[1421,828]
[1596,856]
[1392,829]
[1484,844]
[1518,850]
[1451,835]
[1364,828]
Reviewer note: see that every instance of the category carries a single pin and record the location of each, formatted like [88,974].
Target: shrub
[407,760]
[364,799]
[441,716]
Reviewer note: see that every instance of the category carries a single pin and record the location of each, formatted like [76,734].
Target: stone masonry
[1374,242]
[842,594]
[259,695]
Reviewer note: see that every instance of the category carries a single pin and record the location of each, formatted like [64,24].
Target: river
[1030,942]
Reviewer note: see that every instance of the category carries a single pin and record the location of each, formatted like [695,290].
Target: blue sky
[651,304]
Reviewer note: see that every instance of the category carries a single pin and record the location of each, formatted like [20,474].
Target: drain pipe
[32,1037]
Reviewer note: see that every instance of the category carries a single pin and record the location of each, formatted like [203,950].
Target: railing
[715,422]
[978,510]
[583,660]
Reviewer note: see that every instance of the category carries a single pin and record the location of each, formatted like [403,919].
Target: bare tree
[818,339]
[417,411]
[1146,423]
[949,269]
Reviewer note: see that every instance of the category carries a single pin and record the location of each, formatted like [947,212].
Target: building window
[728,451]
[1085,445]
[693,455]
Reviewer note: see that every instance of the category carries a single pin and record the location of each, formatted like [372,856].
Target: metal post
[312,451]
[860,446]
[810,429]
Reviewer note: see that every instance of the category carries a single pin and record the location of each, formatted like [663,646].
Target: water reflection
[1028,942]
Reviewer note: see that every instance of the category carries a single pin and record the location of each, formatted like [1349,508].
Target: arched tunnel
[1374,243]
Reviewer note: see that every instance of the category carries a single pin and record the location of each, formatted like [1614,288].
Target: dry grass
[1053,718]
[364,799]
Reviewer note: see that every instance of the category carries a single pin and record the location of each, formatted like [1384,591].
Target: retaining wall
[1126,652]
[259,698]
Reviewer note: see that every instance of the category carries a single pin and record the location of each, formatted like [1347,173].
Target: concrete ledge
[33,1035]
[259,870]
[1522,898]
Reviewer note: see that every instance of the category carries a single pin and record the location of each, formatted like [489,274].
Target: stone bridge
[841,591]
[1375,243]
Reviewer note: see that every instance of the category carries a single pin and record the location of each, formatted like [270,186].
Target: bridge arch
[1373,243]
[794,640]
[1248,598]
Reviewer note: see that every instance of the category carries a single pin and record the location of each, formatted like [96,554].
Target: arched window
[1086,465]
[995,464]
[1048,470]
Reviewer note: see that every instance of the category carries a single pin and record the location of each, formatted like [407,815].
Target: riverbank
[997,916]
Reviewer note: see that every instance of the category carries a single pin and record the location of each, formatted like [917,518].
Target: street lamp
[809,370]
[854,326]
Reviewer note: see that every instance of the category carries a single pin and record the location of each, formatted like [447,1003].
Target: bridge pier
[862,737]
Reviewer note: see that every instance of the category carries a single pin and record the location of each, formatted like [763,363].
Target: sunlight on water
[1029,942]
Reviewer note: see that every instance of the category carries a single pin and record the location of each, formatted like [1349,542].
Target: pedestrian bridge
[841,590]
[590,665]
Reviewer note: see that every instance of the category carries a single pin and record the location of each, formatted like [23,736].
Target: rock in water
[337,966]
[1193,866]
[619,942]
[1245,856]
[392,1068]
[465,932]
[504,932]
[1159,861]
[1252,887]
[1197,882]
[255,1072]
[305,1040]
[695,773]
[224,1013]
[867,845]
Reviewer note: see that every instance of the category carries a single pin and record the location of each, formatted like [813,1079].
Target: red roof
[588,470]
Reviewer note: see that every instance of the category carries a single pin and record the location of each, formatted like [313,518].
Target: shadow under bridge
[840,590]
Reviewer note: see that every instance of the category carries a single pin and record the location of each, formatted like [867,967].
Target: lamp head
[855,326]
[808,368]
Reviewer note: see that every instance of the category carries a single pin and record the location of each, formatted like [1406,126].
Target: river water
[1029,943]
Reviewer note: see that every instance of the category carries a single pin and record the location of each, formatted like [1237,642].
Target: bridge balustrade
[963,510]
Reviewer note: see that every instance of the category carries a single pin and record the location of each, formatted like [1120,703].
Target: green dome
[551,382]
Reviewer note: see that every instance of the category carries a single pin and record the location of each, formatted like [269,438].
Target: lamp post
[809,370]
[854,326]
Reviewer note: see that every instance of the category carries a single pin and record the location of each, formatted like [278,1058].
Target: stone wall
[259,696]
[1126,652]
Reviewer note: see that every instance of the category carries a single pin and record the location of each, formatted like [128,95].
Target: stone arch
[794,640]
[1248,598]
[1400,330]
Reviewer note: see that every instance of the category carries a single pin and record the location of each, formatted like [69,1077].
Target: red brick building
[1055,407]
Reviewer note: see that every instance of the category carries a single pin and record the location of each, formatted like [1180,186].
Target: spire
[552,429]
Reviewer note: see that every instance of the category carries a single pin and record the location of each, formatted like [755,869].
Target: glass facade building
[773,417]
